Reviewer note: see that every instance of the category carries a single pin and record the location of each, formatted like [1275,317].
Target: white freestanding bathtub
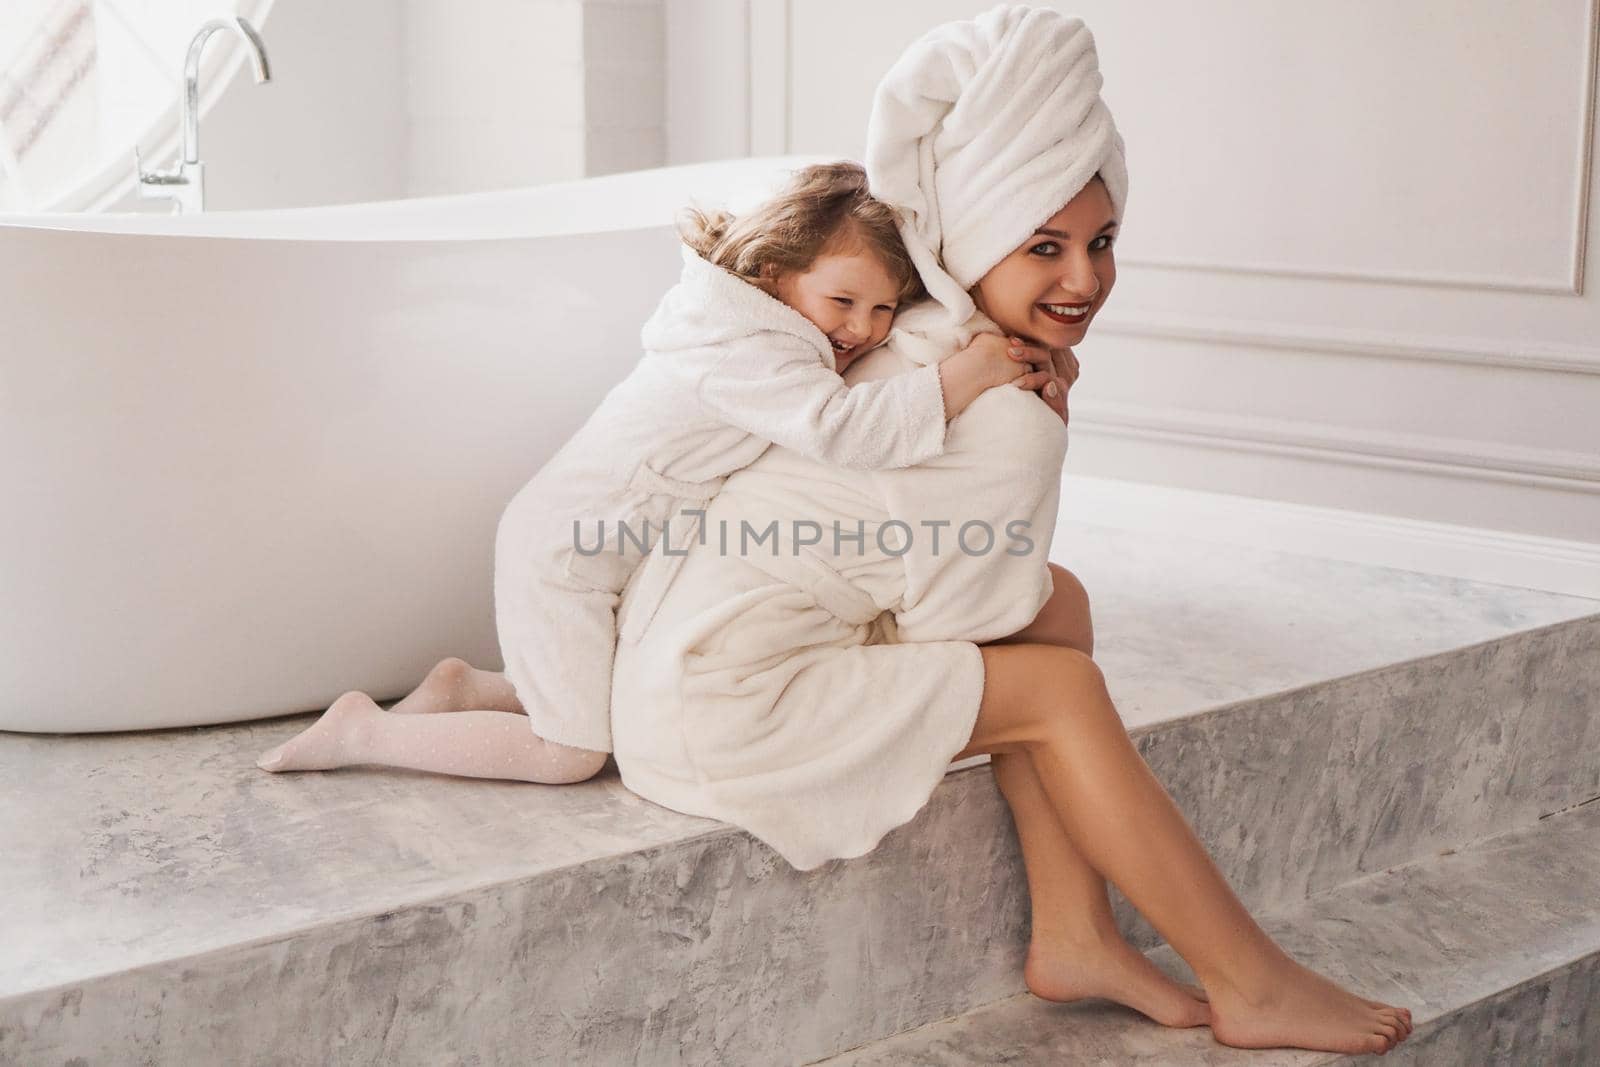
[252,460]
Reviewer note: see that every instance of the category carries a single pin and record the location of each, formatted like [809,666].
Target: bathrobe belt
[775,555]
[780,557]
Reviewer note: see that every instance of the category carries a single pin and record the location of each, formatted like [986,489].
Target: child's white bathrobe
[816,696]
[727,371]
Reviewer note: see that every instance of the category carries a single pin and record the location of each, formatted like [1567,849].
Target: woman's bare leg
[1075,949]
[1052,704]
[494,741]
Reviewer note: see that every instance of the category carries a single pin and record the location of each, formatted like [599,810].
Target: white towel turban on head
[981,131]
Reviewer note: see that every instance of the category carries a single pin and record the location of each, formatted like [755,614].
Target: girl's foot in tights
[456,685]
[474,744]
[332,741]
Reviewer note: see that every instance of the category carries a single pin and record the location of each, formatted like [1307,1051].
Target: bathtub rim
[629,200]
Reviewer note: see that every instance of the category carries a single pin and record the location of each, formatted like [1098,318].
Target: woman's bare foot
[456,685]
[332,741]
[1109,967]
[1295,1007]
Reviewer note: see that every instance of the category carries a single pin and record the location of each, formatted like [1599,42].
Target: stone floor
[1454,938]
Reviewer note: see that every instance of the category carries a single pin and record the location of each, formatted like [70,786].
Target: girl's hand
[1051,372]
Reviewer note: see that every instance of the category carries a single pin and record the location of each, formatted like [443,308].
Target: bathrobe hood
[925,335]
[712,306]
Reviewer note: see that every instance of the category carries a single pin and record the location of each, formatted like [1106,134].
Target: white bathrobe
[727,371]
[816,696]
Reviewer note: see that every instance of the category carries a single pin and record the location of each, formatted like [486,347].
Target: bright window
[83,81]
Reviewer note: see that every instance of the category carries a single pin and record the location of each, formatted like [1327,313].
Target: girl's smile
[850,297]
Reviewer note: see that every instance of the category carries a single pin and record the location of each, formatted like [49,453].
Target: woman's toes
[1403,1013]
[1396,1017]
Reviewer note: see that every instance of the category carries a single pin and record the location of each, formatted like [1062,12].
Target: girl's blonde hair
[825,209]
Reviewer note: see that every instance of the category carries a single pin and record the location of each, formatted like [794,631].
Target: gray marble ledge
[123,850]
[1183,625]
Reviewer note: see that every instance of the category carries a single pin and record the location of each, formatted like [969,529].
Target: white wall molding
[1480,460]
[771,122]
[1551,564]
[1572,286]
[1586,135]
[1570,281]
[1568,359]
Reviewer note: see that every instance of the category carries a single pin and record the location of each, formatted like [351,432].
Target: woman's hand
[1052,371]
[1065,365]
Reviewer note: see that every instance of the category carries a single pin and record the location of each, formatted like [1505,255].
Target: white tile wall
[508,94]
[497,151]
[616,33]
[708,79]
[612,151]
[625,78]
[623,96]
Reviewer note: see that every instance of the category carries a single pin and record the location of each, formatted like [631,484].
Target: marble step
[1494,948]
[1315,720]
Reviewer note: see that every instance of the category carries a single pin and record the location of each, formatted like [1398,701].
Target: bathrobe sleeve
[774,386]
[980,519]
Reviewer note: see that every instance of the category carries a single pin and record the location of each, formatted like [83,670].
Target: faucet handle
[144,176]
[178,184]
[148,178]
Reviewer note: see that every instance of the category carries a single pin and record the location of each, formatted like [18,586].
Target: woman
[828,641]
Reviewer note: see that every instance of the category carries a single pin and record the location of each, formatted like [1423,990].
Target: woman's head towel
[983,130]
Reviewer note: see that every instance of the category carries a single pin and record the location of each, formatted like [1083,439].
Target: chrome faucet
[184,184]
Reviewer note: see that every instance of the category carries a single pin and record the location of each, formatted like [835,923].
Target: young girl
[746,350]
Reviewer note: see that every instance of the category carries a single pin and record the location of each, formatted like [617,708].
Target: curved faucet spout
[191,74]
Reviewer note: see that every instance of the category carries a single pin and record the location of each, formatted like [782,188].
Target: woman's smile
[1067,267]
[1067,314]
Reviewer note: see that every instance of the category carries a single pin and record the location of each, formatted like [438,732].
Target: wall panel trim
[1451,457]
[1566,359]
[1473,553]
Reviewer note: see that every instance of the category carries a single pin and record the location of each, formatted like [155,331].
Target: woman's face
[1049,289]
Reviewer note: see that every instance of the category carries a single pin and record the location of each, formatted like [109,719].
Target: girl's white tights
[486,734]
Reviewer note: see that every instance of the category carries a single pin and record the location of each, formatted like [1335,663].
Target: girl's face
[850,297]
[1049,289]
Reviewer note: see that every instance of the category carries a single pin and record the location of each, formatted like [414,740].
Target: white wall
[502,94]
[493,93]
[1352,267]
